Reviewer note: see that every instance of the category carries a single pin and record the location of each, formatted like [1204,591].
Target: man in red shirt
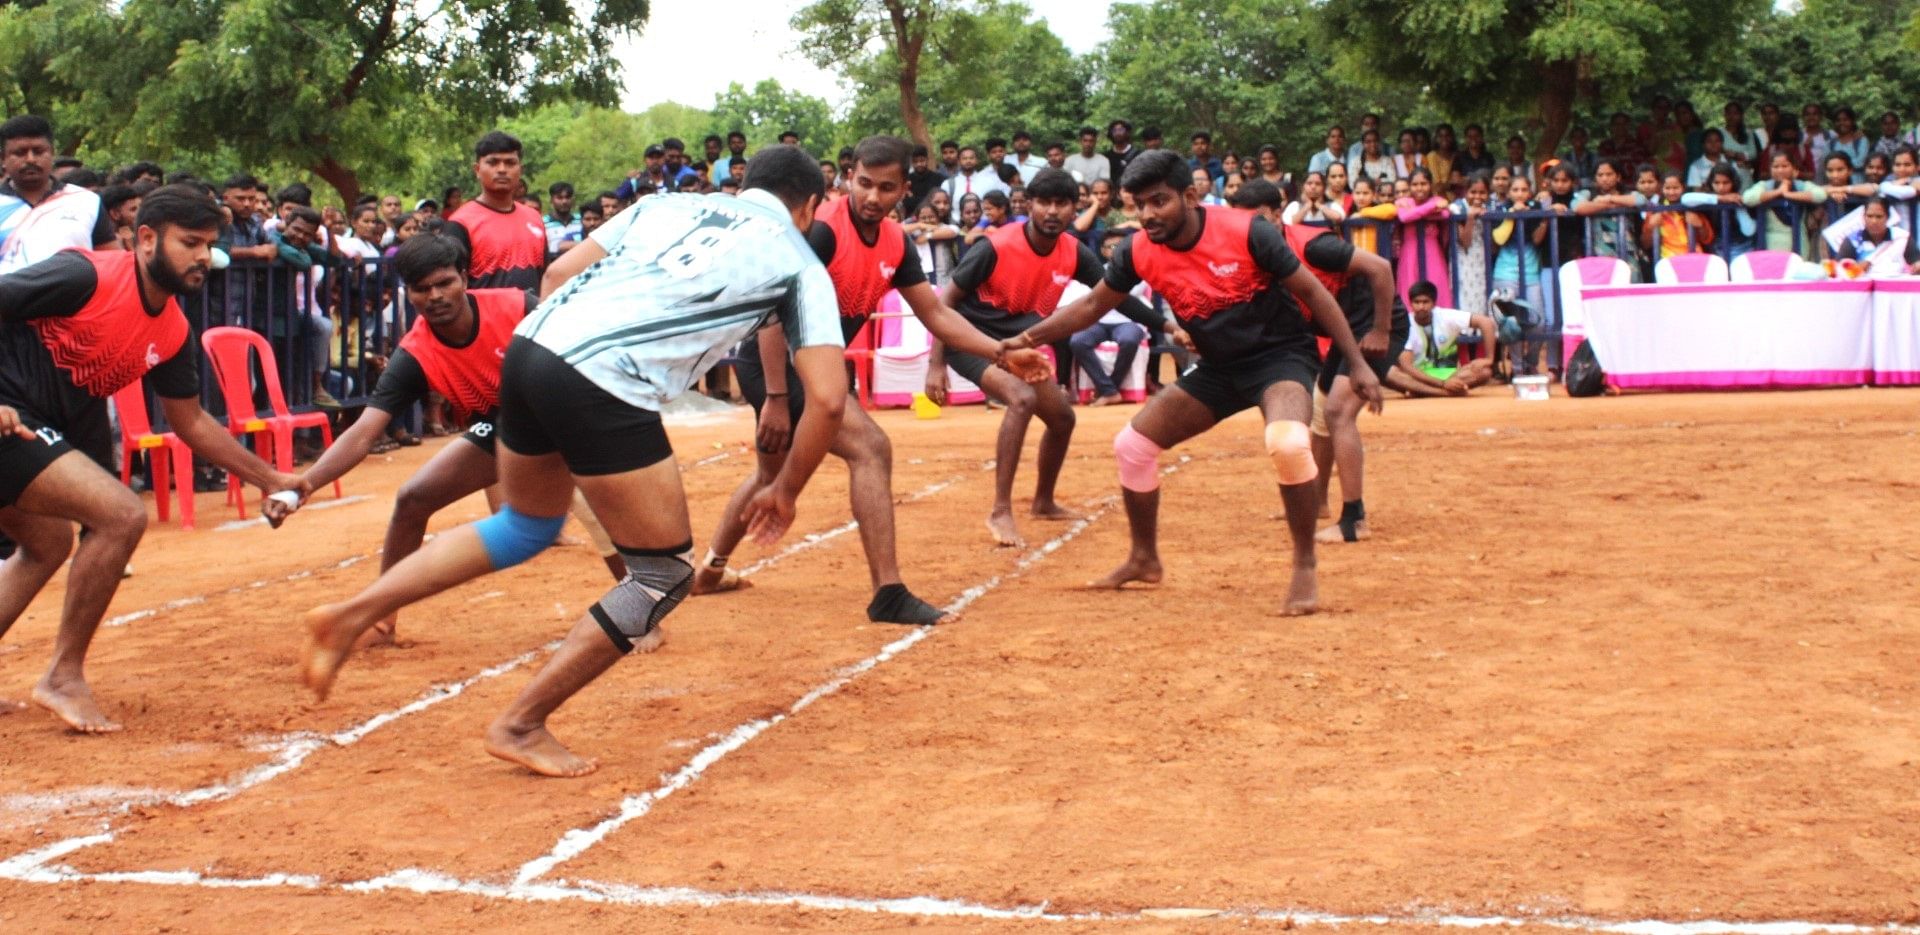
[867,254]
[1237,290]
[75,329]
[506,241]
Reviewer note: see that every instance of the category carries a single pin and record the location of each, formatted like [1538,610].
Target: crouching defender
[634,317]
[1236,289]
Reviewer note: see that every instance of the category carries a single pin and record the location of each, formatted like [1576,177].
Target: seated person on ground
[1428,365]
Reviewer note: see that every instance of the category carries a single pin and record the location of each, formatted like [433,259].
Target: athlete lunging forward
[1236,289]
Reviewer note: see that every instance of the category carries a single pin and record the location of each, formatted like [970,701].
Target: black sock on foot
[1351,513]
[893,603]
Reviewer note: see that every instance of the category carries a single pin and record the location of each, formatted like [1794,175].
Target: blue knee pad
[512,537]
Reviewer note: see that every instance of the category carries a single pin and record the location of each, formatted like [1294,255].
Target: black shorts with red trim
[1240,384]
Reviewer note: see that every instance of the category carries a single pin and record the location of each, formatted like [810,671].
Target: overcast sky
[690,52]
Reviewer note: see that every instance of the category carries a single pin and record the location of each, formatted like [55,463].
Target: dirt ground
[1604,661]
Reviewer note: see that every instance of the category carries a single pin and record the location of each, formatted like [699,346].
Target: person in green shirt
[1778,196]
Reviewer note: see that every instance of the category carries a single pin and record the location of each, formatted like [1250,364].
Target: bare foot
[1303,595]
[1113,400]
[1135,570]
[1051,510]
[1005,533]
[330,639]
[1334,535]
[711,581]
[537,750]
[73,703]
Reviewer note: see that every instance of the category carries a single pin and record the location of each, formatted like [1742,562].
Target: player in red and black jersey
[506,241]
[1006,284]
[1236,289]
[75,329]
[1362,283]
[455,348]
[867,255]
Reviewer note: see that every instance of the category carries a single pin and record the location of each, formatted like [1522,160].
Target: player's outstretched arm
[822,370]
[1076,317]
[1333,321]
[569,265]
[349,449]
[951,328]
[212,441]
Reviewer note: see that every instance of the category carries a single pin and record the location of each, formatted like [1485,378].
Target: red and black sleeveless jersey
[111,341]
[1299,237]
[1226,289]
[1001,278]
[862,273]
[505,249]
[468,375]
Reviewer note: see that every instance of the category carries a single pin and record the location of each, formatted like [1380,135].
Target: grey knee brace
[657,581]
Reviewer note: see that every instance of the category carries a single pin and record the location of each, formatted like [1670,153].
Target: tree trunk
[344,180]
[910,112]
[1558,87]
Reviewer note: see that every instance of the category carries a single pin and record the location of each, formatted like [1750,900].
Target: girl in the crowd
[1440,160]
[1849,141]
[1615,234]
[1671,233]
[1885,250]
[1337,190]
[1314,206]
[1367,236]
[1692,131]
[1424,240]
[1732,229]
[1844,193]
[1409,157]
[1569,231]
[1090,225]
[1876,170]
[1269,161]
[933,238]
[1517,273]
[409,226]
[1517,164]
[971,227]
[1785,202]
[1502,180]
[1472,255]
[1372,162]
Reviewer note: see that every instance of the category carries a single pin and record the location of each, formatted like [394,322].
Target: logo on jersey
[1061,279]
[886,272]
[1223,270]
[536,230]
[153,356]
[500,352]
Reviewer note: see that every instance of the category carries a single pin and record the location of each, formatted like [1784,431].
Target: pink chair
[1574,277]
[1690,268]
[1762,266]
[229,351]
[137,435]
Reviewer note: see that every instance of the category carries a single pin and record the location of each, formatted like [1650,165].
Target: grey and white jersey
[686,277]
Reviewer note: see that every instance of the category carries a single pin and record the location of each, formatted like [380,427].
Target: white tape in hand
[288,497]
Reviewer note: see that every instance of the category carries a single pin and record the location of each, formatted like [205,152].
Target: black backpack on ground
[1584,376]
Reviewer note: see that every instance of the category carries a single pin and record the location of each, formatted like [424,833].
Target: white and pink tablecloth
[1754,334]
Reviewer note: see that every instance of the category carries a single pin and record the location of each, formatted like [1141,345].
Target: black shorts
[481,431]
[752,376]
[1228,388]
[974,367]
[1336,363]
[21,461]
[547,406]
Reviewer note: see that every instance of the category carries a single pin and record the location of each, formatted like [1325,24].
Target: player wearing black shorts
[75,329]
[1236,289]
[1006,284]
[866,254]
[1362,283]
[455,349]
[633,317]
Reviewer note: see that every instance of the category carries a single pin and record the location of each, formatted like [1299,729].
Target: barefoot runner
[1007,282]
[75,329]
[635,316]
[1236,287]
[866,253]
[454,349]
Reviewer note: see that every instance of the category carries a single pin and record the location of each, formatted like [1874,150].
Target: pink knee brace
[1139,461]
[1291,447]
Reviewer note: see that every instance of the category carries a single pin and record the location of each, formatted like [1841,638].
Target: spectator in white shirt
[1087,166]
[1024,161]
[970,180]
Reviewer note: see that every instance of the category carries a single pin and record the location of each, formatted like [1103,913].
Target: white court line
[233,524]
[37,867]
[817,539]
[576,841]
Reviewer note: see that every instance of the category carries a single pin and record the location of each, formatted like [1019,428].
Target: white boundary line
[817,539]
[233,524]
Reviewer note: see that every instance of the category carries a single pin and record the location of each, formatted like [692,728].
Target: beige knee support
[1291,447]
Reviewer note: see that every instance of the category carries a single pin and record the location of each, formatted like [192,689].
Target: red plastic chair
[228,349]
[137,435]
[859,353]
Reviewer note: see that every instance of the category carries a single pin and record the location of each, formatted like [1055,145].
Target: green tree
[995,69]
[1790,57]
[1252,72]
[1555,55]
[770,110]
[339,87]
[843,33]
